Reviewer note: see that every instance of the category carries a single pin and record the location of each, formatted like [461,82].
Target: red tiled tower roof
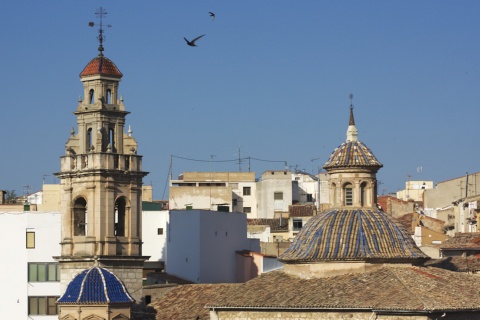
[101,65]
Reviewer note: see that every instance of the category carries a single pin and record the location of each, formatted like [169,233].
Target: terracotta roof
[274,224]
[406,222]
[352,154]
[459,264]
[101,66]
[352,235]
[463,240]
[416,289]
[188,301]
[307,210]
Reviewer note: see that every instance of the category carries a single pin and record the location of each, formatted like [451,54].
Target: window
[348,195]
[30,239]
[363,194]
[111,138]
[120,206]
[89,139]
[247,209]
[309,197]
[91,95]
[109,96]
[80,217]
[42,305]
[160,231]
[247,191]
[297,224]
[278,196]
[43,271]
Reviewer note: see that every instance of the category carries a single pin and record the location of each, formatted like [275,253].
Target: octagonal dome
[103,66]
[353,235]
[352,154]
[95,286]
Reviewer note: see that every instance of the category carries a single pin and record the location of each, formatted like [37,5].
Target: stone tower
[101,183]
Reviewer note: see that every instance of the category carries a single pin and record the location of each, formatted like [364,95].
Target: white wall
[153,243]
[271,182]
[201,244]
[14,266]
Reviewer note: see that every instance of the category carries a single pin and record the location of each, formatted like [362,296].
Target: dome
[103,66]
[95,286]
[352,154]
[353,235]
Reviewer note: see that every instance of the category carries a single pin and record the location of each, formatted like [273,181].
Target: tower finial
[351,122]
[352,133]
[101,12]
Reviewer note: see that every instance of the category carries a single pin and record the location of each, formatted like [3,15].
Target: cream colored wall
[217,176]
[327,315]
[204,198]
[93,312]
[330,269]
[147,193]
[413,190]
[50,198]
[209,197]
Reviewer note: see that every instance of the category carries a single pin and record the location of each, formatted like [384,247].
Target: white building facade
[201,245]
[30,276]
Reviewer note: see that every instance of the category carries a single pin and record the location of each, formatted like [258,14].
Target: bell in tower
[101,181]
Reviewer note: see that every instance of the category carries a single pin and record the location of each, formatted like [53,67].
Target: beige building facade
[232,191]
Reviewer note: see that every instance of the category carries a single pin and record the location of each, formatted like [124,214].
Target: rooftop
[95,286]
[101,66]
[352,235]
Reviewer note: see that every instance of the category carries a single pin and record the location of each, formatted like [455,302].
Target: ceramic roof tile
[414,288]
[358,235]
[307,210]
[188,301]
[352,154]
[101,66]
[459,264]
[274,224]
[95,285]
[463,240]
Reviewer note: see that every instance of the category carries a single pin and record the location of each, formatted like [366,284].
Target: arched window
[334,193]
[91,96]
[89,139]
[111,138]
[348,194]
[80,217]
[363,194]
[120,208]
[109,96]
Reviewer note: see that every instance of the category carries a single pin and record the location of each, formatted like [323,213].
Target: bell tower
[101,181]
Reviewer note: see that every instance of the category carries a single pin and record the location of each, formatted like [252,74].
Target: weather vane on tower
[351,100]
[101,12]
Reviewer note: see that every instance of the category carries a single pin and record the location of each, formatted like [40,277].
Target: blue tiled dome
[95,285]
[353,235]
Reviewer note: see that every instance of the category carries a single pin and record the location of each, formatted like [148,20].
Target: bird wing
[197,38]
[186,40]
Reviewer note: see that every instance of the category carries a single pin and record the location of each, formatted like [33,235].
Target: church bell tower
[101,181]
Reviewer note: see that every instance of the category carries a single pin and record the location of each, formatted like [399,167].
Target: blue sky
[270,78]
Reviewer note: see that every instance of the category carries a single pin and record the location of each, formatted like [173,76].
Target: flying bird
[212,15]
[192,43]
